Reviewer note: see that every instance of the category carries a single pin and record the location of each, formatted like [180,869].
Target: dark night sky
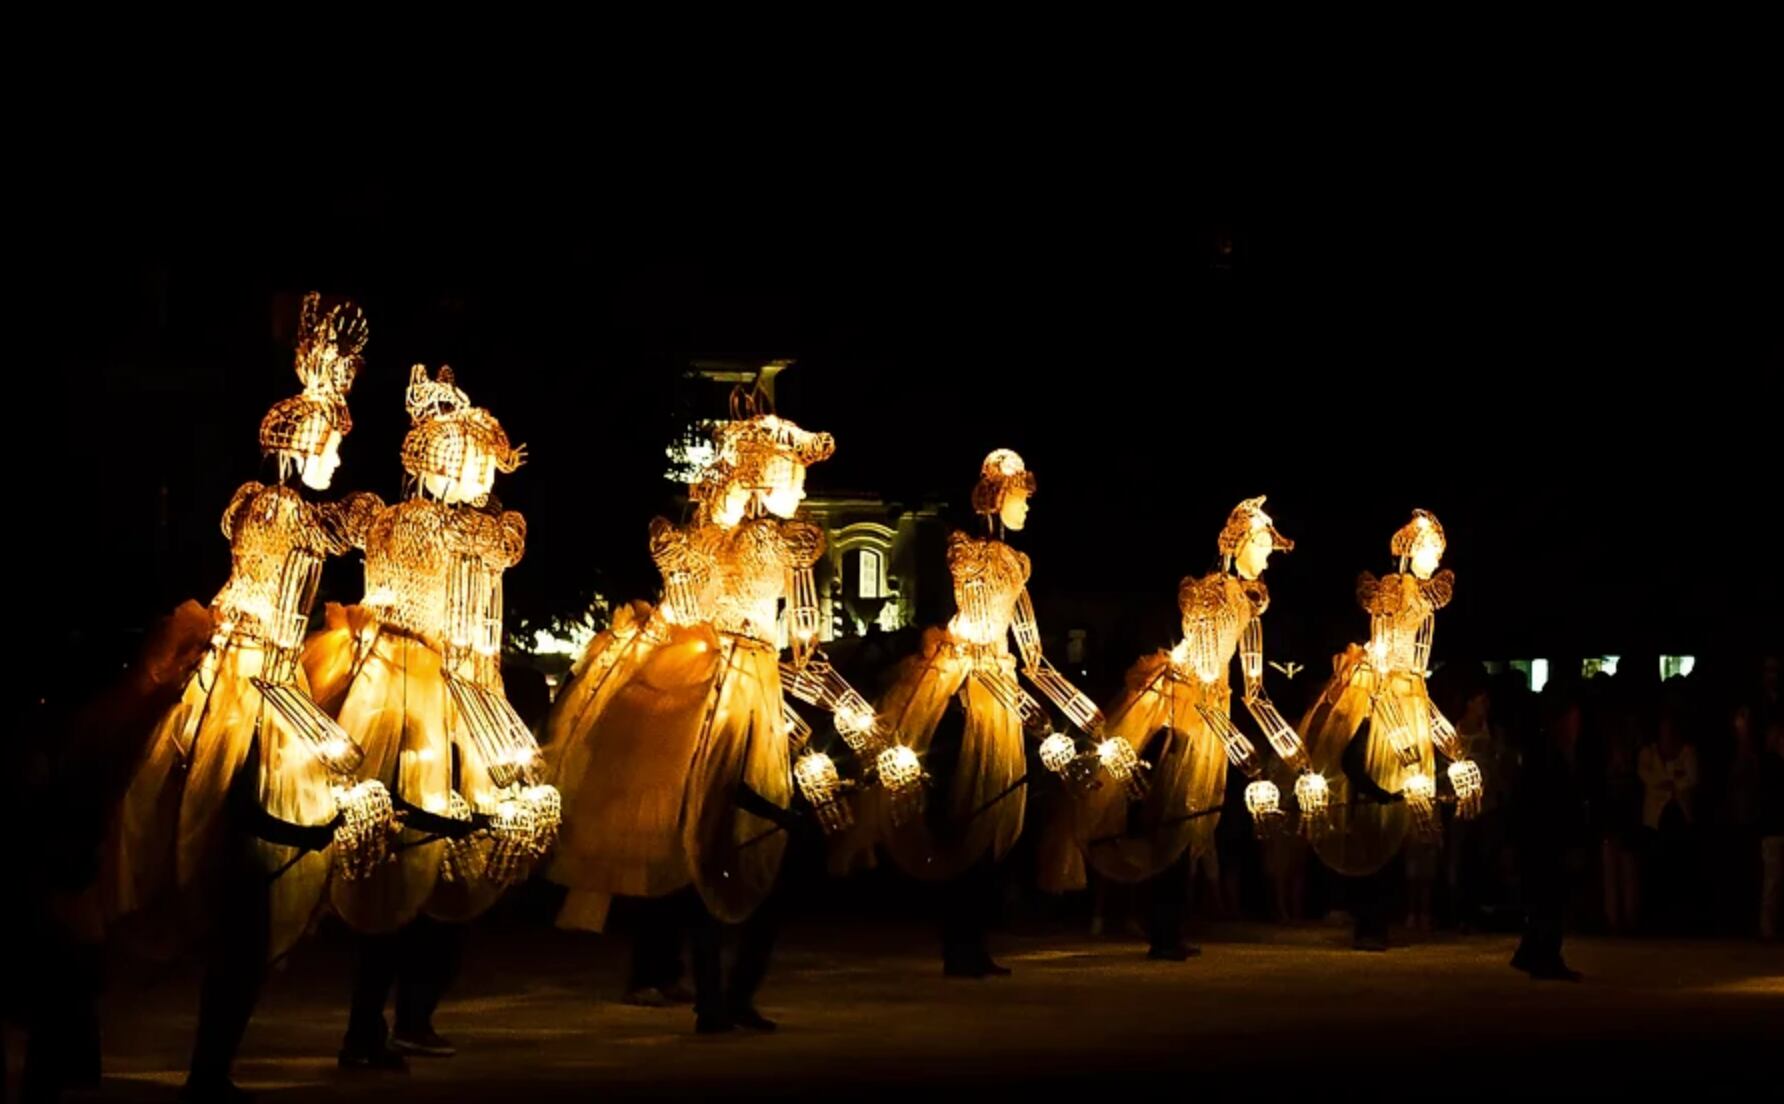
[1577,369]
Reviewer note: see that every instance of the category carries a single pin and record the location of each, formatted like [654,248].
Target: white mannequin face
[1254,555]
[787,478]
[475,478]
[1014,510]
[317,470]
[727,509]
[1425,558]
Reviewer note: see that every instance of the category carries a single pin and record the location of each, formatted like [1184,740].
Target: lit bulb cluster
[1264,802]
[818,780]
[1314,797]
[522,828]
[362,836]
[821,786]
[1057,752]
[1465,779]
[855,724]
[901,777]
[899,769]
[463,861]
[1421,797]
[1118,757]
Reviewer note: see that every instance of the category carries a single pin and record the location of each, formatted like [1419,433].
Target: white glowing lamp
[899,769]
[1262,799]
[1057,752]
[1465,779]
[1312,793]
[1118,758]
[362,838]
[548,810]
[817,778]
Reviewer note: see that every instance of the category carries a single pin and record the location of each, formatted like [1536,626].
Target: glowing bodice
[988,578]
[754,562]
[277,541]
[1216,609]
[687,558]
[733,577]
[418,553]
[1400,608]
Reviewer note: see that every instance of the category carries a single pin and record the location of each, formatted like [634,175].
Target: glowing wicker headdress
[748,446]
[444,426]
[1002,473]
[1247,518]
[330,352]
[1422,531]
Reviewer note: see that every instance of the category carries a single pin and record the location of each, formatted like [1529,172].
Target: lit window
[1676,665]
[1535,672]
[870,572]
[1599,665]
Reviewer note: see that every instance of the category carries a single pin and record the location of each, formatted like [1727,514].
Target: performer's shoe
[1373,943]
[977,966]
[648,997]
[214,1091]
[1178,953]
[676,994]
[748,1017]
[380,1057]
[426,1043]
[713,1025]
[1555,971]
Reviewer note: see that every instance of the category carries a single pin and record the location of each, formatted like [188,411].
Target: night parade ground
[865,1013]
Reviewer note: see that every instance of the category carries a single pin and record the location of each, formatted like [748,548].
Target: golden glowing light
[1313,796]
[1057,751]
[367,821]
[1263,802]
[899,769]
[1465,780]
[822,787]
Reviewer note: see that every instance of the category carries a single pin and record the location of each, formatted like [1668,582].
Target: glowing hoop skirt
[173,836]
[1364,835]
[978,807]
[573,763]
[397,708]
[622,736]
[1157,716]
[657,806]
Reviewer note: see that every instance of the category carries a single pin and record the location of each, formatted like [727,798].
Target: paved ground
[866,1015]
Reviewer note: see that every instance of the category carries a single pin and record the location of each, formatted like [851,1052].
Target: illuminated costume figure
[246,796]
[677,739]
[1374,728]
[963,683]
[421,664]
[1177,715]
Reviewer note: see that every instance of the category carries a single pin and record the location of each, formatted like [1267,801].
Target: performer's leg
[428,955]
[656,948]
[755,945]
[711,1011]
[235,970]
[1169,890]
[367,1043]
